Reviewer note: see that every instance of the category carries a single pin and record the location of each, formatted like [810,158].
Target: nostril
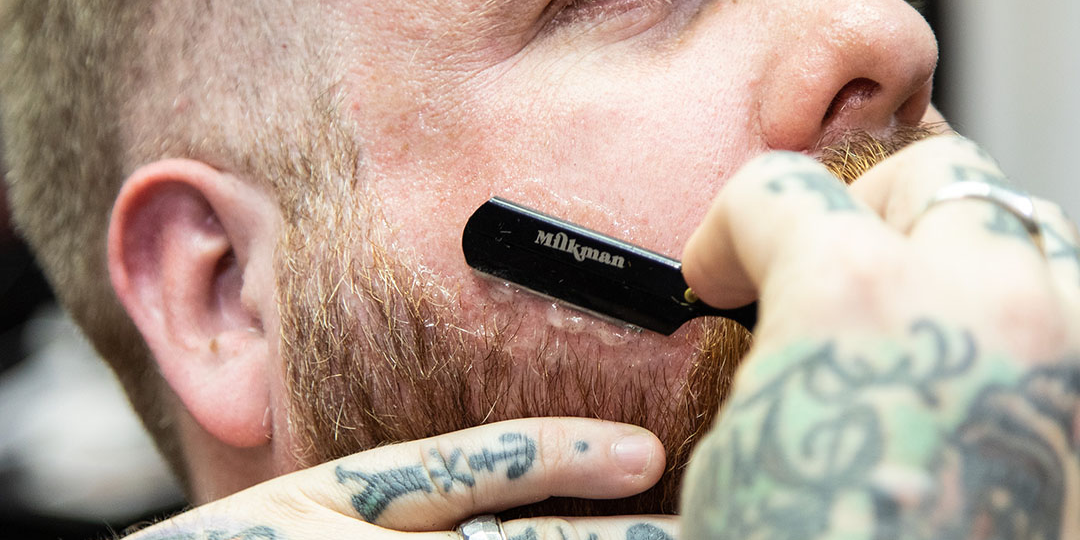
[853,96]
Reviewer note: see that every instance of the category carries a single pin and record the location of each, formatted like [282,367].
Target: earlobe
[187,246]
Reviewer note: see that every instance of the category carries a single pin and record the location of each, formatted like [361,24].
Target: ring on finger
[482,527]
[1015,202]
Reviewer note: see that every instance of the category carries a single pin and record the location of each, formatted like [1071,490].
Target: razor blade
[584,269]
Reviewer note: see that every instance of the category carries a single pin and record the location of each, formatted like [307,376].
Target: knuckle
[550,435]
[425,454]
[761,172]
[449,471]
[933,147]
[557,529]
[1053,219]
[297,502]
[778,160]
[1031,319]
[1049,211]
[867,267]
[948,158]
[1048,208]
[856,278]
[959,147]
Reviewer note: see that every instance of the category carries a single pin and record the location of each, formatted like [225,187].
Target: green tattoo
[919,438]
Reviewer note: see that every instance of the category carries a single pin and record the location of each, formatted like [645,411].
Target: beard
[375,354]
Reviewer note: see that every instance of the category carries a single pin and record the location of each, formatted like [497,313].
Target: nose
[839,65]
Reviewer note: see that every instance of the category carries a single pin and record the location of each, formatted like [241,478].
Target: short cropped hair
[90,90]
[66,66]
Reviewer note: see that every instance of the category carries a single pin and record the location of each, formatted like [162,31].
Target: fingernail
[634,453]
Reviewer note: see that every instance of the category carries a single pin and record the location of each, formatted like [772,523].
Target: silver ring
[483,527]
[1015,202]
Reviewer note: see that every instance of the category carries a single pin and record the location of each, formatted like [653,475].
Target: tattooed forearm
[1014,456]
[920,438]
[514,455]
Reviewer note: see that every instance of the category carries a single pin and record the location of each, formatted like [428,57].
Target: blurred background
[75,464]
[1010,79]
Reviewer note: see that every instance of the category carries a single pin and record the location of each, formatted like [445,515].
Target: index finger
[433,484]
[779,220]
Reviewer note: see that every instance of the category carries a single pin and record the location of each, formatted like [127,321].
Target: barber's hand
[428,487]
[915,374]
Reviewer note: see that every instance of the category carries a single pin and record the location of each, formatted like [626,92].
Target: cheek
[639,163]
[631,144]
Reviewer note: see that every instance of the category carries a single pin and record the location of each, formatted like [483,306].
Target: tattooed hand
[914,375]
[433,484]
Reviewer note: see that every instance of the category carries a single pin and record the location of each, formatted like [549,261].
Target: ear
[190,257]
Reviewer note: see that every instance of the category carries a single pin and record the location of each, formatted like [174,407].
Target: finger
[899,188]
[326,524]
[242,517]
[978,248]
[1061,244]
[435,483]
[902,188]
[781,223]
[607,528]
[320,525]
[972,236]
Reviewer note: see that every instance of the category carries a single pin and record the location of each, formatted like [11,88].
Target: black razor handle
[585,269]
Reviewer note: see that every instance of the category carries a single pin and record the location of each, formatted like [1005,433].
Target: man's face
[624,116]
